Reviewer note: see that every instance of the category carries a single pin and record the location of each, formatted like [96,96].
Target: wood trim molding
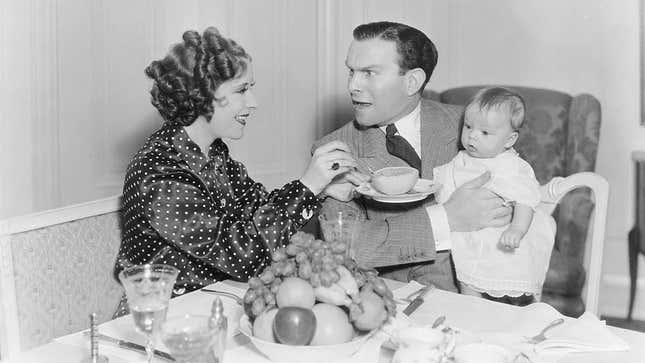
[59,215]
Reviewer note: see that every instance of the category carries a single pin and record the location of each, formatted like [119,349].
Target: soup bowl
[395,180]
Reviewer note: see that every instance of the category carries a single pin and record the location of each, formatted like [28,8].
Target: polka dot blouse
[205,216]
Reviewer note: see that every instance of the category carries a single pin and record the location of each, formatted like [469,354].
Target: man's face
[487,133]
[375,83]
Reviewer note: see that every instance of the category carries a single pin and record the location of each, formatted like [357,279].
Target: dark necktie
[398,146]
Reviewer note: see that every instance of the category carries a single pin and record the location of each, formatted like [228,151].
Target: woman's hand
[329,160]
[342,187]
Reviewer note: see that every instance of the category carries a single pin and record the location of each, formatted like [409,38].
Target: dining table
[470,314]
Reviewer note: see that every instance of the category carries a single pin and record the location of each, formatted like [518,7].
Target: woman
[186,203]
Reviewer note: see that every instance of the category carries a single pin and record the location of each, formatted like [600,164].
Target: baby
[499,262]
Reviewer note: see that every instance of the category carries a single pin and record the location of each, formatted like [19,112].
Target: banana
[332,294]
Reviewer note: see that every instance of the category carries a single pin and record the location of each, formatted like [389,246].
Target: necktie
[398,146]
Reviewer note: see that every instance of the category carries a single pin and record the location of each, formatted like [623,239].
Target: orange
[294,291]
[332,325]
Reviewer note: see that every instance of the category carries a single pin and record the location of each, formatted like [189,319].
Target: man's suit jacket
[396,234]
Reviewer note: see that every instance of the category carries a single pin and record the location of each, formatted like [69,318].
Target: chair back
[56,269]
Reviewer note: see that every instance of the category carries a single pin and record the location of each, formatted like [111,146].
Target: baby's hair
[500,98]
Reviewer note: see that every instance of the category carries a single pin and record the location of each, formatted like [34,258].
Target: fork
[237,299]
[541,336]
[412,295]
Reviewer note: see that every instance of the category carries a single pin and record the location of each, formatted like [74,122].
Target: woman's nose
[251,101]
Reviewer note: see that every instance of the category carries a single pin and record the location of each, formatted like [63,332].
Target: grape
[339,259]
[279,255]
[304,271]
[274,288]
[314,280]
[269,298]
[255,282]
[250,296]
[316,245]
[328,259]
[267,276]
[293,250]
[335,276]
[258,306]
[289,268]
[339,247]
[317,254]
[301,257]
[326,278]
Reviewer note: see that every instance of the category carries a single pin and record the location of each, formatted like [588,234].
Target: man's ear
[512,139]
[414,79]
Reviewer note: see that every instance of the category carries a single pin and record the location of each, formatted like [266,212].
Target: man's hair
[185,80]
[415,49]
[502,99]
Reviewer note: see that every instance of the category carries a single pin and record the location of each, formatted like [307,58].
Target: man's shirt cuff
[440,227]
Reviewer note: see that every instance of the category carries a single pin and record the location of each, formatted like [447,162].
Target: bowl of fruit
[313,303]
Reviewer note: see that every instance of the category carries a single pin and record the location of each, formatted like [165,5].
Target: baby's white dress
[480,262]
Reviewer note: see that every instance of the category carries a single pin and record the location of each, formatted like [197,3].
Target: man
[389,65]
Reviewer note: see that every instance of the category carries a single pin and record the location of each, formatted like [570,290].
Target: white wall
[74,103]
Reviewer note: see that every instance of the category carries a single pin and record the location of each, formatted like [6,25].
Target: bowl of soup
[395,180]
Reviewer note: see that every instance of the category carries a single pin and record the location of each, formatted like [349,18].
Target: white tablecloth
[475,315]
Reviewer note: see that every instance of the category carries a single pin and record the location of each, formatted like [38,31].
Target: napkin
[585,334]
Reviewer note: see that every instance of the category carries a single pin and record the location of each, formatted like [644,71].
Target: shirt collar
[409,127]
[191,153]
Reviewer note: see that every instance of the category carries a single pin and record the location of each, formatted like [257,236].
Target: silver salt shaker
[219,322]
[94,357]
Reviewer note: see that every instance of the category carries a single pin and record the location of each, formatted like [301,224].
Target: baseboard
[614,297]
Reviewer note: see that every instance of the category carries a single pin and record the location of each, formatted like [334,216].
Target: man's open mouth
[356,103]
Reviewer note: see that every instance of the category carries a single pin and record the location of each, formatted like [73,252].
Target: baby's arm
[522,217]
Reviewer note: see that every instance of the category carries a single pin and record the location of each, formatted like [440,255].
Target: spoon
[226,294]
[541,337]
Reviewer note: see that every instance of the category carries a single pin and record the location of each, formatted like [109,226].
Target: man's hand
[343,185]
[471,207]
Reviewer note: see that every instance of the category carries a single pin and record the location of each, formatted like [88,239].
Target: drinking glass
[340,226]
[192,339]
[148,289]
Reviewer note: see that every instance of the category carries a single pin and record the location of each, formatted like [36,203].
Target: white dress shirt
[409,127]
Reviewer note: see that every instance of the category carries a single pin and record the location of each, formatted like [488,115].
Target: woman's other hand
[329,160]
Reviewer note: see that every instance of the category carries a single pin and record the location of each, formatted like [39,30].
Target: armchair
[559,138]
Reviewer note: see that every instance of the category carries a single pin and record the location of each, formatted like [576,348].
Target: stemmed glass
[148,289]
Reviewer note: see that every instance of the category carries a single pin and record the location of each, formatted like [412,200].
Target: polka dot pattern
[204,215]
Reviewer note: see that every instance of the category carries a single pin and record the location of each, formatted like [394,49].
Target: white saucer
[421,190]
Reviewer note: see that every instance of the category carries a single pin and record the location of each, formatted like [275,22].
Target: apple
[294,325]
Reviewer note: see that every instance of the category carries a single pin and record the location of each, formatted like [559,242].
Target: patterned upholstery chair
[56,269]
[559,138]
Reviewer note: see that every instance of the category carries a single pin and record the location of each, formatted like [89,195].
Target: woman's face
[233,104]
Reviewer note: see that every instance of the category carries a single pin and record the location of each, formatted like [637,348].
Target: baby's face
[487,133]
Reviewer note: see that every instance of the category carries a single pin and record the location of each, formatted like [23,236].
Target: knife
[412,306]
[131,346]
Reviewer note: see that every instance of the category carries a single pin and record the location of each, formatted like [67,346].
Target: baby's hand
[511,237]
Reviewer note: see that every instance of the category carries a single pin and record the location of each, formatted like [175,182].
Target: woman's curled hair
[185,80]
